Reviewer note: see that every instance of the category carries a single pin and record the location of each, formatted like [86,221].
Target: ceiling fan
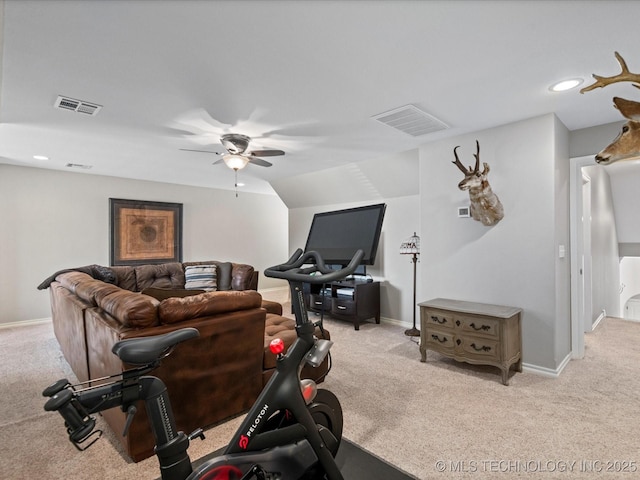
[237,156]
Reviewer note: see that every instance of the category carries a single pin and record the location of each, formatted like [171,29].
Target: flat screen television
[337,235]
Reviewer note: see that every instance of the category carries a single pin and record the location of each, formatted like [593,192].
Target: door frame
[579,296]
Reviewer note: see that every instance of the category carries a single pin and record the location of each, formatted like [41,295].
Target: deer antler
[624,76]
[477,155]
[464,169]
[458,163]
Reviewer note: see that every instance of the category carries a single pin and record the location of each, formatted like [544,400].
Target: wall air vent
[80,106]
[411,120]
[78,165]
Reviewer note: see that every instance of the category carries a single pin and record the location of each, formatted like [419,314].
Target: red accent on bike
[276,346]
[307,392]
[243,443]
[223,472]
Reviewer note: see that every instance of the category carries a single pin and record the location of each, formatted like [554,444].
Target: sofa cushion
[223,272]
[164,275]
[130,309]
[224,275]
[125,277]
[163,293]
[173,310]
[200,277]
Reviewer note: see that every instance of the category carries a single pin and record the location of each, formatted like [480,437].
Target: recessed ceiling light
[565,85]
[40,157]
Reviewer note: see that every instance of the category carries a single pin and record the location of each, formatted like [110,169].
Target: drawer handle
[340,307]
[438,320]
[436,337]
[483,327]
[483,348]
[318,303]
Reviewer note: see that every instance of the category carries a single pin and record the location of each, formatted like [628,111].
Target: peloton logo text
[244,439]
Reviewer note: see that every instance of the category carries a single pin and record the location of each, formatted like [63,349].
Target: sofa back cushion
[173,310]
[164,275]
[125,277]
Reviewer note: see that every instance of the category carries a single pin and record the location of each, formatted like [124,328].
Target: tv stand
[353,299]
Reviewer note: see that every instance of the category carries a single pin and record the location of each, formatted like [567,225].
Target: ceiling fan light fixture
[236,162]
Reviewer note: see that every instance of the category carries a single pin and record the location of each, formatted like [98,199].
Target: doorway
[580,228]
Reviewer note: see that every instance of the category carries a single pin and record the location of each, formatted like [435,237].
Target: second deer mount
[626,146]
[485,205]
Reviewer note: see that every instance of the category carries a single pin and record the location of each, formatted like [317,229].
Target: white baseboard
[547,372]
[394,321]
[601,317]
[25,323]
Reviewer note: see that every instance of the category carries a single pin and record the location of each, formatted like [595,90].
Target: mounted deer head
[626,146]
[485,205]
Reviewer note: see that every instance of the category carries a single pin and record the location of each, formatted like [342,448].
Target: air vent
[78,165]
[80,106]
[411,120]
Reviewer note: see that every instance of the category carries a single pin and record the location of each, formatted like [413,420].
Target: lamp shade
[236,162]
[411,245]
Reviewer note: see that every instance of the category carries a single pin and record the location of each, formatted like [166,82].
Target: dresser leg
[505,376]
[423,353]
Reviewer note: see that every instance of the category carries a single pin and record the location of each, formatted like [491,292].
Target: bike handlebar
[292,268]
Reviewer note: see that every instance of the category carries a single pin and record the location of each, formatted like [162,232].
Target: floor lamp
[412,247]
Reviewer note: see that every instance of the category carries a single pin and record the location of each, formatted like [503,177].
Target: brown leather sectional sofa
[210,378]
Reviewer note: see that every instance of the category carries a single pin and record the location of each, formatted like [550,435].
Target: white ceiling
[305,77]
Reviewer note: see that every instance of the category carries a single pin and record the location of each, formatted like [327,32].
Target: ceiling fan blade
[200,151]
[218,161]
[266,153]
[259,161]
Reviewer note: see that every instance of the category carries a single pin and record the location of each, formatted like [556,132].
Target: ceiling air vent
[80,106]
[411,120]
[78,165]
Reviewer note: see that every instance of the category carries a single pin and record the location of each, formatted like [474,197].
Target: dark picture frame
[143,232]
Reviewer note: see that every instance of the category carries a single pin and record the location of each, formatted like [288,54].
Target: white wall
[514,262]
[605,266]
[53,220]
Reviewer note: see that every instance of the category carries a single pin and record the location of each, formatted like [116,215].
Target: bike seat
[145,350]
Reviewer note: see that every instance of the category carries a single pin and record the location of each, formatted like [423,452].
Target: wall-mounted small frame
[144,232]
[464,212]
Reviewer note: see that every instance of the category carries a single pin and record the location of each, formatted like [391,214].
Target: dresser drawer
[319,302]
[485,326]
[440,340]
[341,306]
[478,347]
[439,319]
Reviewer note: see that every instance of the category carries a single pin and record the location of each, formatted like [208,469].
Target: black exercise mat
[358,464]
[355,464]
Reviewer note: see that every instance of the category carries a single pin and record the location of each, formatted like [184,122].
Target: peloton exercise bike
[292,432]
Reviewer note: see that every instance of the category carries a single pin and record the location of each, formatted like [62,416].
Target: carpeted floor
[434,420]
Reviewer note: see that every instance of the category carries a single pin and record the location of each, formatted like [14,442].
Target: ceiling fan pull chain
[236,185]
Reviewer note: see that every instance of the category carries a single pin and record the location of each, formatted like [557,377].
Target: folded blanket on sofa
[98,272]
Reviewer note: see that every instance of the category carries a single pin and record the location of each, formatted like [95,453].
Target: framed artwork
[144,232]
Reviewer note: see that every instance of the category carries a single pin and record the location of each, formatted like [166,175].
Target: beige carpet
[437,420]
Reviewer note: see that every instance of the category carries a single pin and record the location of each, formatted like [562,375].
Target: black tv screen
[337,235]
